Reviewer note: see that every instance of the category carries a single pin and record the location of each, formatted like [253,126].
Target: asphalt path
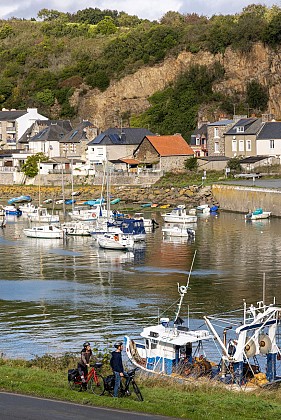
[14,406]
[264,183]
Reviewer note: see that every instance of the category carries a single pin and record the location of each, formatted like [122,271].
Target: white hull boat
[203,208]
[258,214]
[78,228]
[44,232]
[27,208]
[179,215]
[179,231]
[115,241]
[41,215]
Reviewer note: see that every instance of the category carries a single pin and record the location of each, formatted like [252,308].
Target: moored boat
[20,199]
[179,215]
[169,347]
[117,241]
[258,214]
[12,211]
[44,232]
[41,215]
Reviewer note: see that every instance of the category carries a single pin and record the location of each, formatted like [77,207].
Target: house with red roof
[163,153]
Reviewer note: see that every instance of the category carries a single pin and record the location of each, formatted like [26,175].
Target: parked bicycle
[94,381]
[125,390]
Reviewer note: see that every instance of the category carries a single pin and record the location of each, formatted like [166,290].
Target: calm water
[54,295]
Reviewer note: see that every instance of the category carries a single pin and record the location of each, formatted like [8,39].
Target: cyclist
[117,367]
[84,362]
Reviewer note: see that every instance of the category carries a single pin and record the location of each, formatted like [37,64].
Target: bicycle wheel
[74,386]
[137,391]
[96,387]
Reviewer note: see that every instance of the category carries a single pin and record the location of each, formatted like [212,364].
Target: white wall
[26,120]
[263,148]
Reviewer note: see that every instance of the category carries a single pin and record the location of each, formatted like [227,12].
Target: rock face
[130,94]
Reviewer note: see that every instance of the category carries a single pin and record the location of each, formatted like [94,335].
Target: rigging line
[189,274]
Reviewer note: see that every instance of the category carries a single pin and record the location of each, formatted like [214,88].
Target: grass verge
[161,396]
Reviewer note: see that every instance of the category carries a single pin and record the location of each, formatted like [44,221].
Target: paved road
[264,183]
[19,407]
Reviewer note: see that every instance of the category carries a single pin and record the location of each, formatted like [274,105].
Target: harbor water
[56,294]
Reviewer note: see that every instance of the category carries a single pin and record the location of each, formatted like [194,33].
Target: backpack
[109,382]
[72,374]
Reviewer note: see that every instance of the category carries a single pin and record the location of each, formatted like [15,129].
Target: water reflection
[56,294]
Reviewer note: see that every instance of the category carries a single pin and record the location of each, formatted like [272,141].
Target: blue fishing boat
[70,201]
[20,199]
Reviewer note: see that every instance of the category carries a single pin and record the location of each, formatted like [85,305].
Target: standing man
[117,366]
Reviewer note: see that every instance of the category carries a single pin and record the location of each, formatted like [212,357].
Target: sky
[145,9]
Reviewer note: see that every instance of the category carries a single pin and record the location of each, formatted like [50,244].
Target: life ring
[94,215]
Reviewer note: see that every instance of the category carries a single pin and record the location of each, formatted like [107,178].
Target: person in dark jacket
[84,362]
[117,366]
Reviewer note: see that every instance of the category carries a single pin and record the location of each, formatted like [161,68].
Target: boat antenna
[183,289]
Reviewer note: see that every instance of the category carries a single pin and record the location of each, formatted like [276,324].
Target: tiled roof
[130,161]
[253,159]
[251,126]
[78,133]
[51,133]
[270,130]
[11,115]
[121,136]
[170,145]
[221,123]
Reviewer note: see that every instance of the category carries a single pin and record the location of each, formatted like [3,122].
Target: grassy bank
[161,396]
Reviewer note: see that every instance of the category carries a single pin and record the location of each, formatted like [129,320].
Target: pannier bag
[109,382]
[72,374]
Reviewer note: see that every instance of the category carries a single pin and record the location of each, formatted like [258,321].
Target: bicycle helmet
[86,344]
[118,344]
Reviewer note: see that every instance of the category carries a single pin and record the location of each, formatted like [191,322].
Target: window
[240,129]
[271,144]
[234,145]
[217,147]
[241,145]
[216,132]
[248,145]
[197,141]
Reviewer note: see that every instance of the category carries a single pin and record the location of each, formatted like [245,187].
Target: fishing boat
[12,211]
[40,214]
[20,199]
[44,232]
[251,356]
[170,347]
[258,214]
[117,241]
[179,215]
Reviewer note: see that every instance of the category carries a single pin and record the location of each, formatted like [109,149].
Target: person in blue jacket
[117,366]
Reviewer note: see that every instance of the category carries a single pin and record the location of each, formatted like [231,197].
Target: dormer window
[240,129]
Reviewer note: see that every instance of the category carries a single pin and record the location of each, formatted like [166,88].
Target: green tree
[234,164]
[256,95]
[191,164]
[45,97]
[106,26]
[5,31]
[30,167]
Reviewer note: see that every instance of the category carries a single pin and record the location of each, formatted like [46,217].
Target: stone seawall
[245,199]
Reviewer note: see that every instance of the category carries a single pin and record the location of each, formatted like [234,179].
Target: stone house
[215,136]
[163,153]
[14,123]
[74,144]
[240,139]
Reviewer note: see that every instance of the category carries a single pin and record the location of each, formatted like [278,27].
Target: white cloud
[149,9]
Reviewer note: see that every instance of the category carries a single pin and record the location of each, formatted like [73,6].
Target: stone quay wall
[245,199]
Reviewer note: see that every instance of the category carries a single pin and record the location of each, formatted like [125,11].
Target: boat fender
[93,214]
[183,289]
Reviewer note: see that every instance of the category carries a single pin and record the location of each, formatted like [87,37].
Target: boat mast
[183,289]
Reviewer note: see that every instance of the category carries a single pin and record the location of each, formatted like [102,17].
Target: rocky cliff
[130,94]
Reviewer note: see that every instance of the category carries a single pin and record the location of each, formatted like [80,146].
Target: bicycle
[94,382]
[124,391]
